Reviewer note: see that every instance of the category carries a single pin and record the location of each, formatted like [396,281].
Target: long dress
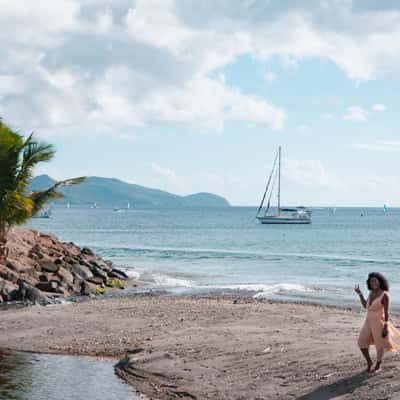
[371,332]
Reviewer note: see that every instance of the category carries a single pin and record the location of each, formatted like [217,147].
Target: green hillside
[110,192]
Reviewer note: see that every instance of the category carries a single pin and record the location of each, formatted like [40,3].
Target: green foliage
[100,290]
[117,283]
[18,158]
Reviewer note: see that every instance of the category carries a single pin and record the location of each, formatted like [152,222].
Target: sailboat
[295,215]
[46,214]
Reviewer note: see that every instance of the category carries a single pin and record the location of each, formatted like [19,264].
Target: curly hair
[383,282]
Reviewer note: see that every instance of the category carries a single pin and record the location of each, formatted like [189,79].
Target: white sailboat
[295,215]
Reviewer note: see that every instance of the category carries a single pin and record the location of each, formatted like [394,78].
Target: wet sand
[211,348]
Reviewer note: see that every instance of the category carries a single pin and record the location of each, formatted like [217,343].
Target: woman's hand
[385,331]
[357,289]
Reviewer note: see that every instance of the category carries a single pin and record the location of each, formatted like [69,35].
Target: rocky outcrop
[39,267]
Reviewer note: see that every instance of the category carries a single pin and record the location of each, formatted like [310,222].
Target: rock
[69,260]
[58,261]
[8,274]
[88,288]
[100,273]
[94,263]
[83,271]
[47,286]
[96,280]
[65,276]
[49,266]
[116,273]
[16,266]
[87,251]
[8,290]
[27,292]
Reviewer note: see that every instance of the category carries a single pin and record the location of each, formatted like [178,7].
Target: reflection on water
[26,376]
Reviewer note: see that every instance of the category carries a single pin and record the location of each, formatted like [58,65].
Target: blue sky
[188,96]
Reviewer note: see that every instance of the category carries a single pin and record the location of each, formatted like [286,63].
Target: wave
[209,253]
[285,288]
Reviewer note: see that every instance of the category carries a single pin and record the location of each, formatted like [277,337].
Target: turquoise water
[25,376]
[228,249]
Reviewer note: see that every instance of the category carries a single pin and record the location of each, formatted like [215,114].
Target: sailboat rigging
[296,215]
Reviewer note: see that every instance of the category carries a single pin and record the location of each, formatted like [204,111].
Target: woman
[377,329]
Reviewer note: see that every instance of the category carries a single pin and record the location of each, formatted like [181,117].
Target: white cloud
[380,145]
[355,113]
[99,66]
[312,173]
[270,77]
[379,107]
[168,179]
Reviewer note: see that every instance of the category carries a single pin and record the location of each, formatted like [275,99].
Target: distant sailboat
[296,215]
[68,205]
[45,214]
[385,208]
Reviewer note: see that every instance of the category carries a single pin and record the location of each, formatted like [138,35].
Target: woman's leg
[379,357]
[365,353]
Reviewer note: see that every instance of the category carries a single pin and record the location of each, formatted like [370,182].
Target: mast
[279,181]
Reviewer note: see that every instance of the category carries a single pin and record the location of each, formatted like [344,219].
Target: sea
[227,250]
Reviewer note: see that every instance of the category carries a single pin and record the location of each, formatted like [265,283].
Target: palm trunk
[3,242]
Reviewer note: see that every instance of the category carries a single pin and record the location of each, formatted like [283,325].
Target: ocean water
[27,376]
[227,249]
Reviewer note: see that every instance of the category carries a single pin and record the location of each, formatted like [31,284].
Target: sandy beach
[211,348]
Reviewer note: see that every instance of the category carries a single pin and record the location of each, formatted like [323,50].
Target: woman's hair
[383,282]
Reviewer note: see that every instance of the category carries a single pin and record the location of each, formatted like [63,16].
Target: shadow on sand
[335,389]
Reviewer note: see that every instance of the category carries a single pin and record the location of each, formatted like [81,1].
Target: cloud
[380,145]
[168,178]
[99,66]
[379,107]
[312,174]
[355,113]
[270,77]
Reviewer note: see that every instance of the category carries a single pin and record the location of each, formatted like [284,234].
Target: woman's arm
[362,300]
[385,302]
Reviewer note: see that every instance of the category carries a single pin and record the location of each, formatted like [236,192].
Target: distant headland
[111,192]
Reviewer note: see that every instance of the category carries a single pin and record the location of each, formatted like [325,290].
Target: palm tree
[18,158]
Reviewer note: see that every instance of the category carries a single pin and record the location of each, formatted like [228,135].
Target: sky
[196,96]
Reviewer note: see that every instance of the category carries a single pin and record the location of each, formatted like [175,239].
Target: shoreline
[209,347]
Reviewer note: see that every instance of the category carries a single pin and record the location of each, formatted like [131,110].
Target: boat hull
[283,220]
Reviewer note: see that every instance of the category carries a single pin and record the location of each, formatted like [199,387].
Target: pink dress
[371,332]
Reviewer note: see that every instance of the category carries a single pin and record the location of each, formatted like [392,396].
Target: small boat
[280,215]
[44,214]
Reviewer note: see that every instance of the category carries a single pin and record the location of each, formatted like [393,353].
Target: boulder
[8,274]
[8,290]
[88,288]
[65,276]
[47,286]
[49,266]
[83,271]
[99,273]
[29,293]
[96,280]
[87,251]
[116,273]
[16,266]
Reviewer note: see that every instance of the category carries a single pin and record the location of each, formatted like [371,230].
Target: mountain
[111,192]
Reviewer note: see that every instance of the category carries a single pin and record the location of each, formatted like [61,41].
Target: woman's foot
[377,367]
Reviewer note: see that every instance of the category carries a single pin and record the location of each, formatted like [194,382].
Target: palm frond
[40,198]
[33,153]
